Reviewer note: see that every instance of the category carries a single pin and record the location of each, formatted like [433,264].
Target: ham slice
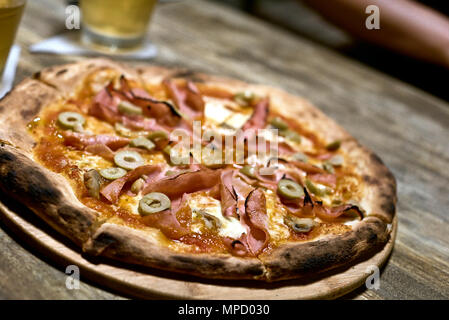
[187,99]
[307,167]
[101,150]
[237,247]
[82,140]
[105,107]
[227,194]
[239,198]
[259,116]
[329,214]
[113,190]
[187,182]
[256,220]
[324,178]
[167,222]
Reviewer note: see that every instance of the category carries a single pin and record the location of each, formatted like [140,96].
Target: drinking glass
[116,24]
[10,15]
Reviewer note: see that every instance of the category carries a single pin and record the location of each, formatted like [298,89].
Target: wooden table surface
[407,128]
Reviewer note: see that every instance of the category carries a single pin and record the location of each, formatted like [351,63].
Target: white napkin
[69,43]
[9,72]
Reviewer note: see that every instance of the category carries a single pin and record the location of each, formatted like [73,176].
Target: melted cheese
[276,227]
[216,113]
[206,213]
[87,161]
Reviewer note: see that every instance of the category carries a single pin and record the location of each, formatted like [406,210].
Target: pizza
[128,163]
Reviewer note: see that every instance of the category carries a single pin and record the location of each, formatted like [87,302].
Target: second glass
[116,24]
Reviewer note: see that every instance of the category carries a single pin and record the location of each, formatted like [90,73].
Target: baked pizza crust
[51,198]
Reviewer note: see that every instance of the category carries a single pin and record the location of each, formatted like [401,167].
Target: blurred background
[402,24]
[296,17]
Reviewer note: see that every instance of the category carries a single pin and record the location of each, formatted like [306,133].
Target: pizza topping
[138,185]
[307,167]
[92,182]
[336,160]
[299,225]
[208,210]
[256,219]
[153,202]
[249,171]
[82,140]
[194,97]
[142,142]
[259,116]
[223,202]
[112,173]
[291,135]
[299,156]
[122,130]
[244,98]
[236,247]
[129,108]
[278,123]
[128,159]
[333,146]
[330,214]
[187,182]
[326,179]
[187,99]
[112,191]
[317,189]
[328,167]
[158,135]
[101,150]
[289,189]
[71,120]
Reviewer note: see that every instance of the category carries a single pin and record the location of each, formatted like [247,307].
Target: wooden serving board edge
[148,285]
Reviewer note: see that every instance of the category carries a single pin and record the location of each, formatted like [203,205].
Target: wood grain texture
[406,127]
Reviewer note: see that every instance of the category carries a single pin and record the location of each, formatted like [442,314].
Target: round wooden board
[154,284]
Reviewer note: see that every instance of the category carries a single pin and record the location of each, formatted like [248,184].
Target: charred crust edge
[26,182]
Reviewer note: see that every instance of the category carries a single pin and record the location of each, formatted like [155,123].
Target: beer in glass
[10,14]
[116,23]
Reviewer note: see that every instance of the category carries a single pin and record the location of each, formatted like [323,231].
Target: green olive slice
[153,202]
[249,171]
[291,135]
[299,225]
[112,173]
[122,130]
[129,108]
[278,123]
[70,120]
[316,189]
[299,156]
[289,189]
[142,142]
[128,159]
[333,146]
[158,135]
[244,98]
[328,167]
[167,150]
